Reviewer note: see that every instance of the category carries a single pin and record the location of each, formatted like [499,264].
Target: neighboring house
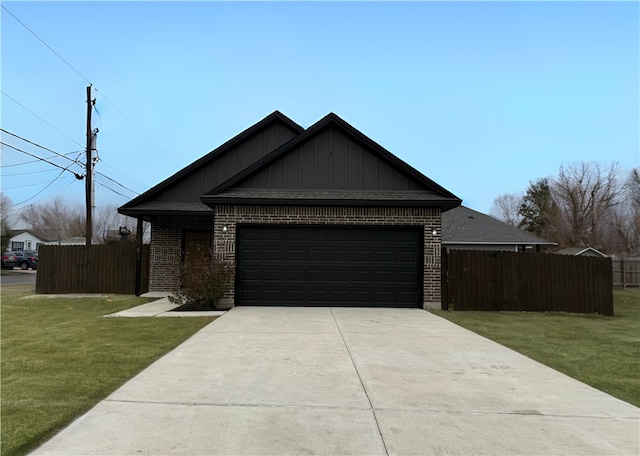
[323,216]
[78,240]
[581,251]
[464,228]
[25,240]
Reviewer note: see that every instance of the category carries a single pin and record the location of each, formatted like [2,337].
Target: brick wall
[428,218]
[167,235]
[166,247]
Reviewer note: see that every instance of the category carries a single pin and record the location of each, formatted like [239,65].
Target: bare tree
[55,220]
[108,219]
[585,194]
[5,225]
[507,207]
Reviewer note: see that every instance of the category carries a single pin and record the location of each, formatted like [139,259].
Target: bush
[202,283]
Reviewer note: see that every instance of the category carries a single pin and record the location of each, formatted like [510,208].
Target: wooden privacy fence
[536,282]
[109,268]
[626,272]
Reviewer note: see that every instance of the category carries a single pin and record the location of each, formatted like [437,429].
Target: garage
[351,266]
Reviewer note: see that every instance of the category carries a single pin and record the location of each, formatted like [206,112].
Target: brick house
[319,216]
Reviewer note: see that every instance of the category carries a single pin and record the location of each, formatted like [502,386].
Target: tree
[55,220]
[537,208]
[585,193]
[507,207]
[5,226]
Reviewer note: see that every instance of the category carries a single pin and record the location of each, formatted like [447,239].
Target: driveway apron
[342,381]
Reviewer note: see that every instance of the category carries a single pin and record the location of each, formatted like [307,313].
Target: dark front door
[288,265]
[196,247]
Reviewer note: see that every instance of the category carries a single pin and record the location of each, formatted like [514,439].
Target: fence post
[624,279]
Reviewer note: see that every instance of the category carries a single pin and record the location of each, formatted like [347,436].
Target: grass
[603,352]
[60,357]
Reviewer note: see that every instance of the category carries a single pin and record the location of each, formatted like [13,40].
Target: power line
[36,161]
[47,186]
[44,42]
[37,145]
[116,182]
[30,111]
[32,172]
[140,130]
[114,191]
[78,176]
[25,186]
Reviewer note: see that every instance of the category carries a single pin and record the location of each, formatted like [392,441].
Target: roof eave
[212,200]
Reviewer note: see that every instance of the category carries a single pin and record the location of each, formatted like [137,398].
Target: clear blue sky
[480,97]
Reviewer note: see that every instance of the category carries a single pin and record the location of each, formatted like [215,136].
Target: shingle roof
[463,225]
[408,198]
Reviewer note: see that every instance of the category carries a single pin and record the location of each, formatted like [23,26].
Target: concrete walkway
[278,381]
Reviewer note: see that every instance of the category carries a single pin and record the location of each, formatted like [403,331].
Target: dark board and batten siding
[193,186]
[289,265]
[331,160]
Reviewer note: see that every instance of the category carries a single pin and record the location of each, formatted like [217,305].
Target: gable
[190,187]
[330,160]
[182,191]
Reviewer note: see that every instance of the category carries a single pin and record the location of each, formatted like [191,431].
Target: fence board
[106,268]
[486,280]
[626,272]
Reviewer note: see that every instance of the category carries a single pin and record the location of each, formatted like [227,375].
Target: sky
[481,97]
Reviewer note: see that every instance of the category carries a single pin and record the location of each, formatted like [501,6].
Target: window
[17,246]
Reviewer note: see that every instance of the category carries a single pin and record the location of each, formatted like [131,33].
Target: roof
[576,251]
[159,199]
[38,234]
[328,197]
[462,225]
[135,206]
[444,197]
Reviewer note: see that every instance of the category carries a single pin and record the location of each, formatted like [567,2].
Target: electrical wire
[90,83]
[78,176]
[44,42]
[36,161]
[47,186]
[109,188]
[116,182]
[25,186]
[36,144]
[32,172]
[30,111]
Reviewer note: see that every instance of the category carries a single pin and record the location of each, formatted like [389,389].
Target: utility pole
[89,172]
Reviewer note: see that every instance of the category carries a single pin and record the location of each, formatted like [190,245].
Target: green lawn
[603,352]
[60,357]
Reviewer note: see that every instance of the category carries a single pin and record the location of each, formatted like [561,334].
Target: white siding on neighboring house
[25,240]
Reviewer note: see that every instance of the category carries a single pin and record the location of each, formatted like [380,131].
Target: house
[322,216]
[25,240]
[581,251]
[77,240]
[464,228]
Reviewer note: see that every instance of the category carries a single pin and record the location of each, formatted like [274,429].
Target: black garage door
[329,266]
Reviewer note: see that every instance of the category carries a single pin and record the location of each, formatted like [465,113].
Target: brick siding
[166,235]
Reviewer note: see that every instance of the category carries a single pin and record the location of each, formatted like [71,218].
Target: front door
[196,247]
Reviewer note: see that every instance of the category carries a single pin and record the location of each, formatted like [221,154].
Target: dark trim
[214,154]
[442,203]
[332,120]
[148,213]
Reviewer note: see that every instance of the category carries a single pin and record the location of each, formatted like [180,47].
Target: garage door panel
[329,266]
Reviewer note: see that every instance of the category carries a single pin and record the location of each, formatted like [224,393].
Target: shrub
[202,283]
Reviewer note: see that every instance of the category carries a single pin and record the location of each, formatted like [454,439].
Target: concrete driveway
[349,381]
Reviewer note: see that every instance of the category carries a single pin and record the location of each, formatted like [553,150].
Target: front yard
[603,352]
[60,357]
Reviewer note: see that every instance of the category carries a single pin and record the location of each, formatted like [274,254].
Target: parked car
[27,260]
[9,260]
